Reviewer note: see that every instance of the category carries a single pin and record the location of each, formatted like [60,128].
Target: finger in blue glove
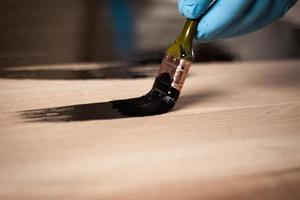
[230,18]
[277,9]
[251,16]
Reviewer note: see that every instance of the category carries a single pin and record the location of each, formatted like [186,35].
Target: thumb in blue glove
[230,18]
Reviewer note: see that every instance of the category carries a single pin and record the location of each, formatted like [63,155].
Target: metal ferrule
[177,70]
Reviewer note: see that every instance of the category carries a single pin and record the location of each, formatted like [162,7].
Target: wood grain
[234,134]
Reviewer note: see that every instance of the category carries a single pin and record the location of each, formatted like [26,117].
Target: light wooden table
[234,134]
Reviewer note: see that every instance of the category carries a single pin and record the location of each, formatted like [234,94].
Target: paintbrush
[171,76]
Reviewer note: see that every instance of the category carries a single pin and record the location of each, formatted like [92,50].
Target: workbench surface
[234,134]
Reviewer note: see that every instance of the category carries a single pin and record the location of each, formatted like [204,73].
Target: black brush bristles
[153,103]
[159,100]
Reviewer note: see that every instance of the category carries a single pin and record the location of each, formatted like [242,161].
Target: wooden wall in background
[51,31]
[58,31]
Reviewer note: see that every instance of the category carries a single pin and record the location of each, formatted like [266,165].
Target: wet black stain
[80,112]
[133,107]
[107,110]
[141,65]
[109,72]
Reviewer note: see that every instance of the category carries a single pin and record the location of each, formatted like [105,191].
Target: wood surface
[234,134]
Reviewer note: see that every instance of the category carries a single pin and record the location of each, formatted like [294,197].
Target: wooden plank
[233,134]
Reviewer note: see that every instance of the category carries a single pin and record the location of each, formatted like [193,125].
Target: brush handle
[183,46]
[177,61]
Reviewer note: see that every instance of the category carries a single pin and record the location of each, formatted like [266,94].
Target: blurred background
[35,32]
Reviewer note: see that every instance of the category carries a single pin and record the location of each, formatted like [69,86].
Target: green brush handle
[183,45]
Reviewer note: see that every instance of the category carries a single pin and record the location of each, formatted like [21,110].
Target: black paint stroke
[102,110]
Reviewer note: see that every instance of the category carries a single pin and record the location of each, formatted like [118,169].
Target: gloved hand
[230,18]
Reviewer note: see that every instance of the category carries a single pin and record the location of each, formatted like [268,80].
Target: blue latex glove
[230,18]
